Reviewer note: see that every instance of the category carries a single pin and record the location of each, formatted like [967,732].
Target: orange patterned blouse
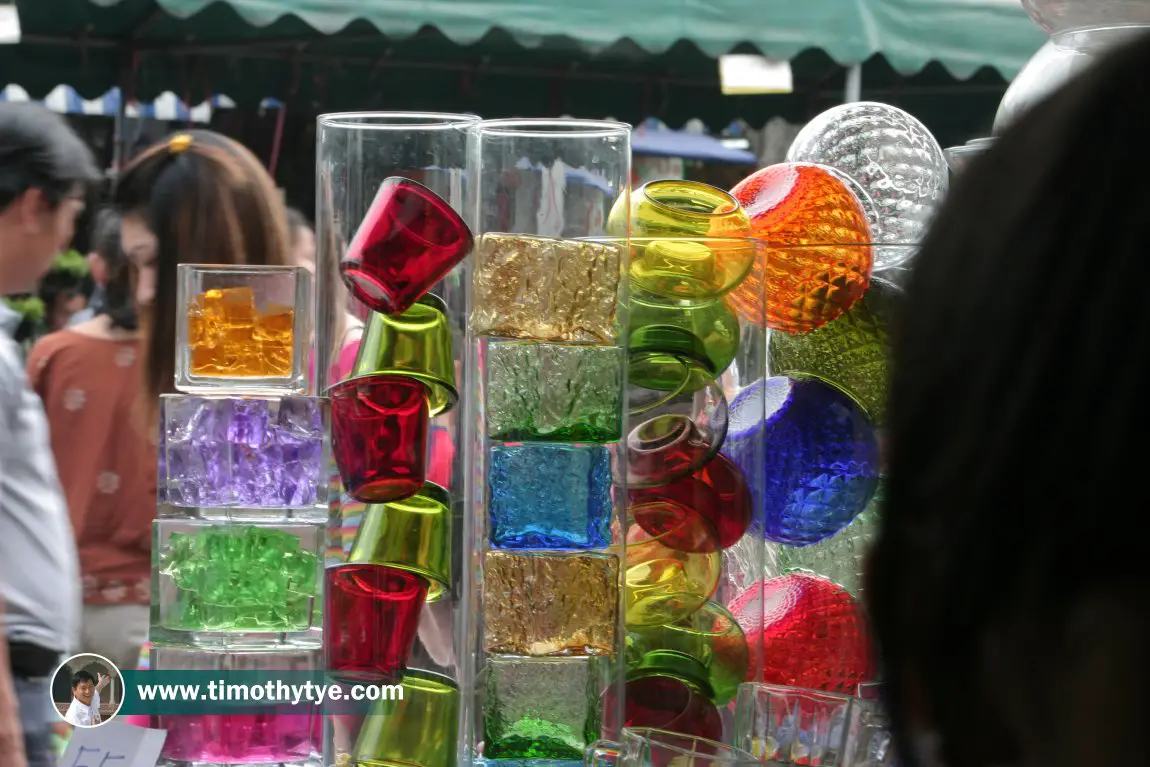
[107,463]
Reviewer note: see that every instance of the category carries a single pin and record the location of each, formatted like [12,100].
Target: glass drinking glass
[790,725]
[647,747]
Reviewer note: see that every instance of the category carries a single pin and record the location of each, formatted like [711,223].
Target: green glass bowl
[664,335]
[416,344]
[418,731]
[706,648]
[413,534]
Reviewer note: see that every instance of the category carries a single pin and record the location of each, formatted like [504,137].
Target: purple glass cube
[245,453]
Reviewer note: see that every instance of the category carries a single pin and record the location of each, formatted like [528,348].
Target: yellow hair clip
[179,144]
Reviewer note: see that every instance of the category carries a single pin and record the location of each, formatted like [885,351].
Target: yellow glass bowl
[675,208]
[665,584]
[691,269]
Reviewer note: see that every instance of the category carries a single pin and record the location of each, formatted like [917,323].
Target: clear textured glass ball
[1057,16]
[1064,56]
[890,154]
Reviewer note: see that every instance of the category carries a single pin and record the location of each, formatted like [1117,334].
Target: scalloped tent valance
[963,35]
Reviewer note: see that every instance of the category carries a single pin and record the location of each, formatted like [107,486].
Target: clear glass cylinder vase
[391,304]
[546,484]
[818,486]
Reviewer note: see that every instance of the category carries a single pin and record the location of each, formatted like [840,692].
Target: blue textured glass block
[549,497]
[809,454]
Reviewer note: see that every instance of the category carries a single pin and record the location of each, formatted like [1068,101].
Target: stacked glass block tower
[238,538]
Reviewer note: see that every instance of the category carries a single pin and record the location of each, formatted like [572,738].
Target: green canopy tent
[629,59]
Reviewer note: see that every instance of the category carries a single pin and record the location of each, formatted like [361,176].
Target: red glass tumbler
[370,620]
[410,239]
[379,427]
[672,705]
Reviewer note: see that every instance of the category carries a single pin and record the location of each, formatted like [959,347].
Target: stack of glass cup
[547,339]
[391,243]
[237,544]
[689,352]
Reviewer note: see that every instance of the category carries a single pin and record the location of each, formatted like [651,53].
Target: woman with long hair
[88,376]
[1008,584]
[198,198]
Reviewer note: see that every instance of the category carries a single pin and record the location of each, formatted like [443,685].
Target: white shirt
[39,567]
[80,715]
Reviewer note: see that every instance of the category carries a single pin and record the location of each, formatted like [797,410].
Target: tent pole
[854,84]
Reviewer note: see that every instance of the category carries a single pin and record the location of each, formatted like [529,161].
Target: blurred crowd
[88,345]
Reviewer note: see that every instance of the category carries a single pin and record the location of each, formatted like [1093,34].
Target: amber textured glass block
[242,329]
[554,392]
[542,708]
[550,604]
[547,289]
[818,262]
[228,337]
[852,353]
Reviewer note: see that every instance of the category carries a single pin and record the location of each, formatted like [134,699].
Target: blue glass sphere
[809,453]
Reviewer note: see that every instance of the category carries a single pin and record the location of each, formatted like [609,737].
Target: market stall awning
[508,58]
[963,35]
[167,107]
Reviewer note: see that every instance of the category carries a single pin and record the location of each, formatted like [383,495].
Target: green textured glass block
[237,578]
[542,708]
[850,353]
[841,557]
[554,392]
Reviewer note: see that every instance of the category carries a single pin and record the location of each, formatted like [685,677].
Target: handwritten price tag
[114,745]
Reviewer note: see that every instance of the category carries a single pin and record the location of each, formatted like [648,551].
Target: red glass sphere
[813,633]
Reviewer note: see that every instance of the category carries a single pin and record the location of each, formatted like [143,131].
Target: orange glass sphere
[818,258]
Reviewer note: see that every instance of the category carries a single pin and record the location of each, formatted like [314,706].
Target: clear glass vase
[545,422]
[392,191]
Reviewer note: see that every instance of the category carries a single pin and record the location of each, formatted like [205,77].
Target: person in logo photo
[85,708]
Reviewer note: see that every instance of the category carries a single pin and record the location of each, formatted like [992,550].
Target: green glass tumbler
[418,731]
[416,344]
[413,534]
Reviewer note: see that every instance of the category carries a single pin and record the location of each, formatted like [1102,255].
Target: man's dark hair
[119,303]
[39,150]
[59,285]
[82,676]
